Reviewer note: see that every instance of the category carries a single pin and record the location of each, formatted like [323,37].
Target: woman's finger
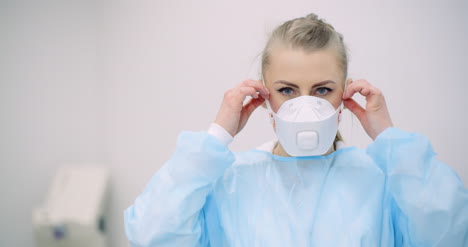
[352,88]
[247,110]
[360,86]
[258,86]
[248,91]
[355,108]
[250,106]
[234,98]
[233,114]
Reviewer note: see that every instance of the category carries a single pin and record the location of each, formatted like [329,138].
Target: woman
[304,189]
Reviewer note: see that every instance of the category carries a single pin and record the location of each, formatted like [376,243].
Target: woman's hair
[309,34]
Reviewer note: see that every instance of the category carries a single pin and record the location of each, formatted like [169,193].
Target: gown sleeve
[429,203]
[170,211]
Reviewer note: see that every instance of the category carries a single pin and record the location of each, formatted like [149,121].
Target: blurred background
[114,82]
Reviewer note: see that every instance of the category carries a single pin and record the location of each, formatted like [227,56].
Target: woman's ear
[348,81]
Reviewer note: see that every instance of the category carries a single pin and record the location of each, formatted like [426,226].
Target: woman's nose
[304,93]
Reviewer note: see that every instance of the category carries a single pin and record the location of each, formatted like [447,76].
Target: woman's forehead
[297,66]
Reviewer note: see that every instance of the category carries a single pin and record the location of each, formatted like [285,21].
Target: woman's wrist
[220,133]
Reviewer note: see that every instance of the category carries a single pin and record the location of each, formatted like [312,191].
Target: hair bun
[312,16]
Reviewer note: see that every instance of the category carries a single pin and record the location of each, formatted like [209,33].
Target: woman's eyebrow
[296,86]
[287,83]
[323,83]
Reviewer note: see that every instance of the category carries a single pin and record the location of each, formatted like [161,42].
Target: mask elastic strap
[267,102]
[341,112]
[342,102]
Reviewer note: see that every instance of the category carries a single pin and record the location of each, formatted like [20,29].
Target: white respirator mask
[306,125]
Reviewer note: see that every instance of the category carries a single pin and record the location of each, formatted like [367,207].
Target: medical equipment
[306,125]
[394,193]
[73,214]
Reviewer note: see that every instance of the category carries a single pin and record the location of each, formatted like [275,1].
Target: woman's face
[293,73]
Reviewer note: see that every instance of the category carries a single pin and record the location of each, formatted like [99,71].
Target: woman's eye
[323,90]
[286,91]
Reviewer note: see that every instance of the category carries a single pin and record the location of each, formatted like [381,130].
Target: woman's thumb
[355,108]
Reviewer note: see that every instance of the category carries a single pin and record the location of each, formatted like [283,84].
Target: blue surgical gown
[394,193]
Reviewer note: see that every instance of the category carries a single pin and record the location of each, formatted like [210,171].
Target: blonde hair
[310,34]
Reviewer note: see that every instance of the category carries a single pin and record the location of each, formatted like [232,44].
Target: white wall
[51,103]
[116,82]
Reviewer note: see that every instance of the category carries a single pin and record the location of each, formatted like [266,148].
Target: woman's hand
[233,114]
[375,117]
